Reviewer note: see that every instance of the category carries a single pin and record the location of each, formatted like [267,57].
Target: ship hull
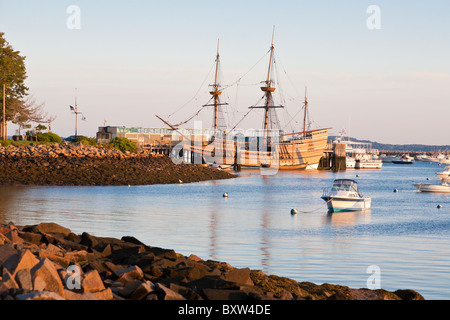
[295,154]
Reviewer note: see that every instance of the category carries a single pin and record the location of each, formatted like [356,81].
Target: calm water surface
[404,233]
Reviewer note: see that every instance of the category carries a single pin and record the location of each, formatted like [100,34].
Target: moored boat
[273,148]
[443,187]
[344,196]
[444,175]
[405,159]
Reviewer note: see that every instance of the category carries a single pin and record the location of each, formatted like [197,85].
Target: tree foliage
[13,74]
[123,144]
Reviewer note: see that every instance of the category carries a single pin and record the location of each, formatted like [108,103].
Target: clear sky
[133,59]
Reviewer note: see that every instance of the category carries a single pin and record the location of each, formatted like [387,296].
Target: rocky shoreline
[50,262]
[81,165]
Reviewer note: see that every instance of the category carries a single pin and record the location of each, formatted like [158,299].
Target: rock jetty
[81,165]
[50,262]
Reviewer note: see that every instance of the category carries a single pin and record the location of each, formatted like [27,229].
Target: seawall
[77,164]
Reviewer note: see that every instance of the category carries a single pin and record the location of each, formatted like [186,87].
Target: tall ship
[272,147]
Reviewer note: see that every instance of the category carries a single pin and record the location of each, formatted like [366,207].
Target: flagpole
[76,114]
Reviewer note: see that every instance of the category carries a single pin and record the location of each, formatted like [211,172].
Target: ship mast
[268,89]
[304,115]
[216,92]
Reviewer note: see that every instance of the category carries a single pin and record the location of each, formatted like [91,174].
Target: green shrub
[49,137]
[87,141]
[123,144]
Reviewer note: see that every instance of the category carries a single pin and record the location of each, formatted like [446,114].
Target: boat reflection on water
[348,218]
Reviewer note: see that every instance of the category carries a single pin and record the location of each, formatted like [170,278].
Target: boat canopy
[346,184]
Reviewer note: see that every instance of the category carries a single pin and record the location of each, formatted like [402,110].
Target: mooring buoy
[294,211]
[439,206]
[225,195]
[395,190]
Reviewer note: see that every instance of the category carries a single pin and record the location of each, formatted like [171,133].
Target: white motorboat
[444,174]
[344,196]
[444,187]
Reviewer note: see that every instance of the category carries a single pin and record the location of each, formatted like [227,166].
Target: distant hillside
[398,147]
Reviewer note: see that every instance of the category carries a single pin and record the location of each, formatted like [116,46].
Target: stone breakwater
[50,262]
[81,165]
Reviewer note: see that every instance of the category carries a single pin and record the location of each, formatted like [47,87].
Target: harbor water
[404,234]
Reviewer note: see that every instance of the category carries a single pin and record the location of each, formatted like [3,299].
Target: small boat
[404,160]
[444,174]
[344,196]
[444,187]
[388,159]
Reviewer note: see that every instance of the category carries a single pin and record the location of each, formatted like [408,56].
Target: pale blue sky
[131,60]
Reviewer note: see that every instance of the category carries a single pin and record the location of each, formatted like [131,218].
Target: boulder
[51,228]
[105,294]
[128,274]
[239,276]
[165,293]
[71,295]
[143,290]
[92,282]
[39,295]
[8,280]
[23,260]
[409,294]
[6,251]
[23,279]
[46,270]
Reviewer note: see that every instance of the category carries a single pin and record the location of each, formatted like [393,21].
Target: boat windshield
[345,185]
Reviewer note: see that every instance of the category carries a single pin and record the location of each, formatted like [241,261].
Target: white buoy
[439,206]
[294,211]
[395,190]
[225,195]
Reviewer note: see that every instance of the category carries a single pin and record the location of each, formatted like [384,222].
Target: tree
[26,111]
[20,109]
[12,75]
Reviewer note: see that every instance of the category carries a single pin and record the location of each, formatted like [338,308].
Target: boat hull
[337,204]
[295,154]
[369,164]
[438,188]
[402,162]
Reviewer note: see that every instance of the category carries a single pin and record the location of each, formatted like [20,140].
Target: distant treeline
[398,147]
